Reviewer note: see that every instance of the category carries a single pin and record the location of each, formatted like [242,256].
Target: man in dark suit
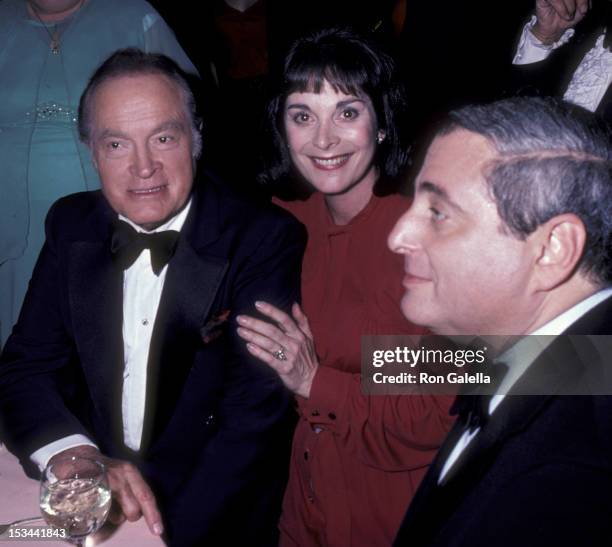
[509,234]
[566,51]
[126,349]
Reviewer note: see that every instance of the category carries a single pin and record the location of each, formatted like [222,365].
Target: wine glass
[75,496]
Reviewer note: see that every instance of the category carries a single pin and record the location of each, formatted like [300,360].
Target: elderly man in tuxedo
[510,233]
[126,350]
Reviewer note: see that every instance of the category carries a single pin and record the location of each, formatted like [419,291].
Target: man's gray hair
[554,158]
[134,62]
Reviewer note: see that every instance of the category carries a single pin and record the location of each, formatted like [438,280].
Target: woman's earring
[380,137]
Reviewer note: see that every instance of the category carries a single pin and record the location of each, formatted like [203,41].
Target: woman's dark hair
[353,65]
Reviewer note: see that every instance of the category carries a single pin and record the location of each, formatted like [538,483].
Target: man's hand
[132,496]
[554,17]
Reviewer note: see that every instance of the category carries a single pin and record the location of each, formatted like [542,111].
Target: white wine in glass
[75,496]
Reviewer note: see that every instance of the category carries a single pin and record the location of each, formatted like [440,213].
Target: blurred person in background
[565,51]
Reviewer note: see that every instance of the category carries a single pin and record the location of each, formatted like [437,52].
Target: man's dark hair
[134,62]
[553,158]
[351,64]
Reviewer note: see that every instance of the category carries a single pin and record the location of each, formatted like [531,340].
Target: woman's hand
[288,347]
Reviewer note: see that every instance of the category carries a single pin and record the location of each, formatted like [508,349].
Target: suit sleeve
[385,431]
[37,364]
[538,69]
[234,492]
[531,50]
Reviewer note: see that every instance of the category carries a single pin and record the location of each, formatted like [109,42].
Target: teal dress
[41,158]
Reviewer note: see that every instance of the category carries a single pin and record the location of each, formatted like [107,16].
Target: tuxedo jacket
[217,422]
[540,471]
[553,75]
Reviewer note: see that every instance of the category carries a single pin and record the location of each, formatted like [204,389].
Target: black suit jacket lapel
[192,282]
[95,288]
[424,515]
[434,504]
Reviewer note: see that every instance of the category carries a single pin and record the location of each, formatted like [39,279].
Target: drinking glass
[75,496]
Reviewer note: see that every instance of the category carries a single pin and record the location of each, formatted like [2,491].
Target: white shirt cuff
[41,456]
[531,50]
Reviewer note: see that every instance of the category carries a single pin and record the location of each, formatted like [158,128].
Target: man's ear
[559,244]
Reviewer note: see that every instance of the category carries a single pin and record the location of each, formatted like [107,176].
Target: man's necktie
[473,409]
[127,244]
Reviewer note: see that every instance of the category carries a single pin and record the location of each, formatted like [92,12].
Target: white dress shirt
[142,291]
[592,77]
[519,358]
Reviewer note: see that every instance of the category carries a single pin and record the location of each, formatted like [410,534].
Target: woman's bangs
[310,79]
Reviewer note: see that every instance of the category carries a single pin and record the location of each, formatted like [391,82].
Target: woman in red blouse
[356,460]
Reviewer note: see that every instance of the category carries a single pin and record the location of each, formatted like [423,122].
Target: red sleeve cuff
[329,393]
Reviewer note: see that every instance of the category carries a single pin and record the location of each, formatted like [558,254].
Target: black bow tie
[473,409]
[127,244]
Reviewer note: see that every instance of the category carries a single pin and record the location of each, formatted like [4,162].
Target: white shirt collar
[564,320]
[519,357]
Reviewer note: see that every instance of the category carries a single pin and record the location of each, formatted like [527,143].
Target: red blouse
[357,460]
